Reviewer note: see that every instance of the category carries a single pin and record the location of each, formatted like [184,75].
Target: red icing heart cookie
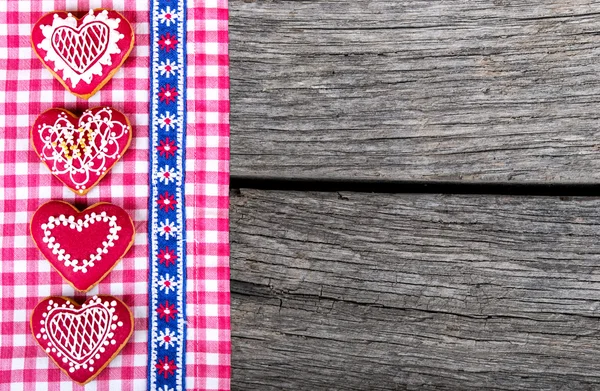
[82,340]
[83,54]
[82,246]
[81,151]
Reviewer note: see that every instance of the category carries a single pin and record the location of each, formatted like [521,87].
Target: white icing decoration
[82,151]
[80,52]
[77,335]
[89,219]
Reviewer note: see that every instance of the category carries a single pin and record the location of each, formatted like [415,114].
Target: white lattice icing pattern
[81,52]
[79,337]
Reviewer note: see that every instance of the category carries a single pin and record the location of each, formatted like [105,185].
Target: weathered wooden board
[374,292]
[457,90]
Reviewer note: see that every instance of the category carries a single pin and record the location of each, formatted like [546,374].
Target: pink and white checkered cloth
[26,90]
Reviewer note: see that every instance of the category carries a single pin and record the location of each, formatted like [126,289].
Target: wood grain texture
[380,292]
[478,90]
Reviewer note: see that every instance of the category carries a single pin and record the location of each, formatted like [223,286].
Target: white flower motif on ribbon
[168,16]
[167,68]
[166,283]
[167,229]
[167,174]
[167,121]
[166,338]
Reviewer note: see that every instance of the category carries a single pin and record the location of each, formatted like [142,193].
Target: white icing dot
[113,342]
[113,303]
[64,360]
[97,356]
[47,350]
[38,336]
[120,324]
[91,369]
[71,370]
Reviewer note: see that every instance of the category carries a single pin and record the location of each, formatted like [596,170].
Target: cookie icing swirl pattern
[82,152]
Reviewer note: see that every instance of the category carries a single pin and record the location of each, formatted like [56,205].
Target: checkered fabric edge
[27,90]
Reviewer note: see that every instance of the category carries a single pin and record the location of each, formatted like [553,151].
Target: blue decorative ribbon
[166,221]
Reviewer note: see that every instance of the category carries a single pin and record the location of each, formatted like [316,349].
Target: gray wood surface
[358,291]
[457,90]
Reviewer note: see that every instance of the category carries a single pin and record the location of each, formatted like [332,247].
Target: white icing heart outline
[87,50]
[106,134]
[80,225]
[68,73]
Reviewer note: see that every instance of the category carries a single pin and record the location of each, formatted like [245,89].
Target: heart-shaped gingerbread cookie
[82,340]
[82,246]
[83,54]
[81,151]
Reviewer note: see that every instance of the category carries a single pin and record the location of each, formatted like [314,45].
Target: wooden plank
[374,292]
[456,90]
